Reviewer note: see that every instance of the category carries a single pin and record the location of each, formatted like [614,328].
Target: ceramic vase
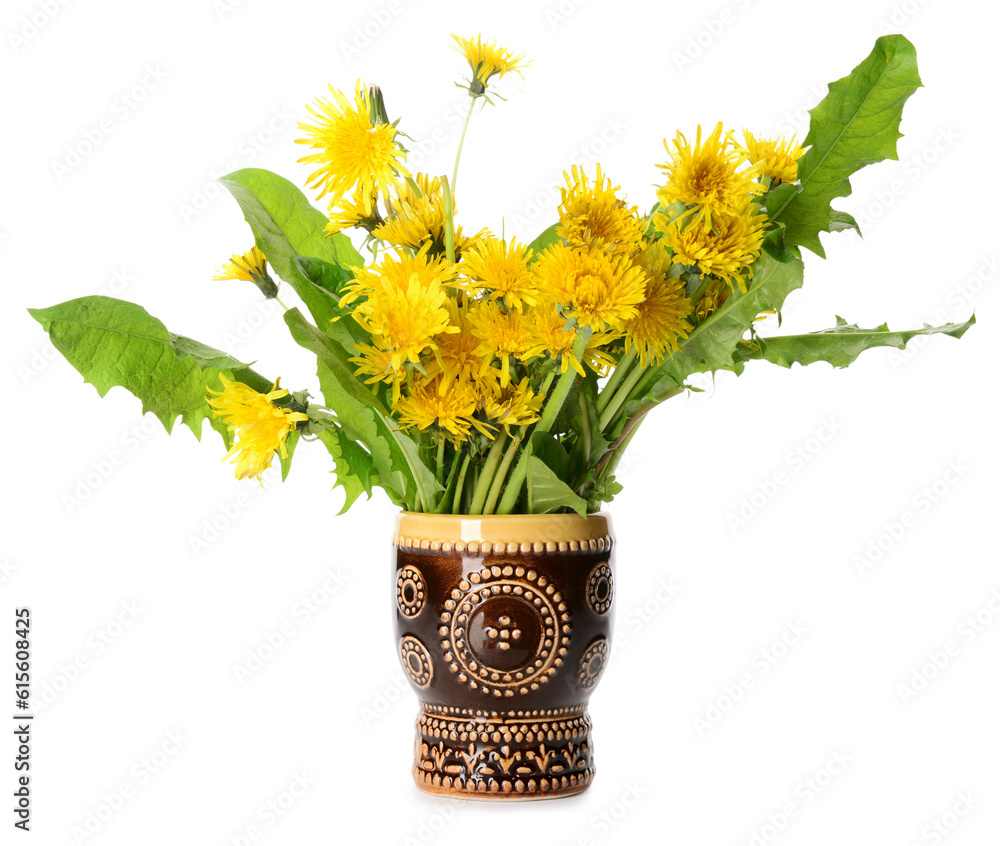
[504,627]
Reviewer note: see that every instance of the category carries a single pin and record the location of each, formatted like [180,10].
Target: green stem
[449,221]
[615,456]
[611,458]
[650,376]
[440,461]
[623,366]
[461,143]
[414,187]
[457,502]
[618,400]
[513,491]
[585,417]
[445,502]
[498,480]
[554,405]
[549,415]
[483,484]
[547,383]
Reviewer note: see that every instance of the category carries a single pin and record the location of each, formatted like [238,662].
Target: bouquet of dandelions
[475,374]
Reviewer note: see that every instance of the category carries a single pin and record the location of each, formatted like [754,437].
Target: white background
[103,510]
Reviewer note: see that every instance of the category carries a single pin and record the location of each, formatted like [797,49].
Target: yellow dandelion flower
[352,150]
[662,317]
[487,60]
[354,212]
[592,215]
[552,335]
[502,335]
[401,303]
[260,426]
[777,157]
[411,219]
[727,247]
[414,220]
[455,355]
[500,270]
[448,404]
[249,267]
[598,289]
[517,405]
[375,364]
[708,175]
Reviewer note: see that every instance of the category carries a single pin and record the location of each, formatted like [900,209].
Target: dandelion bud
[250,267]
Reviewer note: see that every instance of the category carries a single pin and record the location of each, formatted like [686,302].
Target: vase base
[503,755]
[531,793]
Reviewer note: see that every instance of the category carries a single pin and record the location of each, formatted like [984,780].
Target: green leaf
[838,346]
[547,447]
[427,486]
[364,418]
[254,380]
[291,441]
[710,344]
[326,275]
[604,492]
[353,466]
[547,492]
[856,124]
[286,227]
[545,239]
[360,428]
[203,355]
[330,279]
[774,245]
[774,239]
[841,221]
[777,198]
[114,343]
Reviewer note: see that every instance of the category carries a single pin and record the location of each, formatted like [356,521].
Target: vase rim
[520,531]
[570,516]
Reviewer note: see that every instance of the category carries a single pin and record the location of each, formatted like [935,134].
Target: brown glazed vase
[504,627]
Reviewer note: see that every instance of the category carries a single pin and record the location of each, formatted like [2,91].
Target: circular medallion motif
[411,591]
[416,661]
[601,588]
[505,630]
[592,663]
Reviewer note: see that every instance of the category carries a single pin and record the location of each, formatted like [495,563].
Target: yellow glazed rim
[503,533]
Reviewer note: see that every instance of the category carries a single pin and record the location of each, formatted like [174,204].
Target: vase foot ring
[503,757]
[489,794]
